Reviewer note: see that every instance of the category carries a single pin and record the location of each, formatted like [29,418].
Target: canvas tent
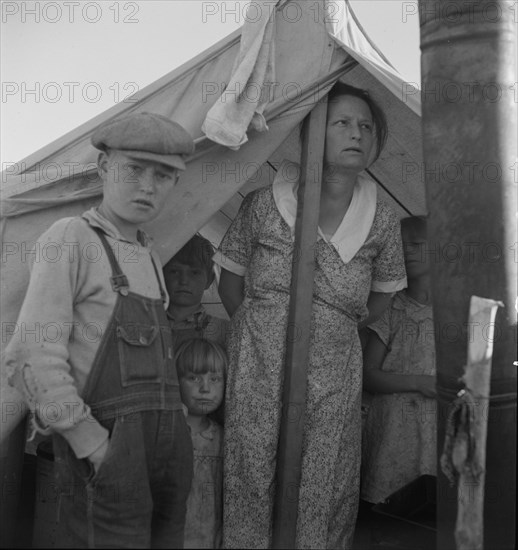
[312,49]
[312,45]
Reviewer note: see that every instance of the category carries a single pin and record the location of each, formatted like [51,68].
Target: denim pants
[137,498]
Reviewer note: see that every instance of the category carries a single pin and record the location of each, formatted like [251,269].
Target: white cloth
[247,94]
[356,223]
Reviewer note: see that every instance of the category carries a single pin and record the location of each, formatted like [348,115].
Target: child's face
[416,253]
[202,393]
[185,283]
[135,190]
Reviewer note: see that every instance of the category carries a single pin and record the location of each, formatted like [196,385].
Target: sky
[65,62]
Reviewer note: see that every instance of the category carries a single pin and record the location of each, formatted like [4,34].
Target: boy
[187,275]
[103,380]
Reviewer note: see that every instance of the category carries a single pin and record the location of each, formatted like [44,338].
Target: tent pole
[470,141]
[289,457]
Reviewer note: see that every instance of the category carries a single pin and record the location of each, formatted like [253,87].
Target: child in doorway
[399,435]
[187,275]
[201,365]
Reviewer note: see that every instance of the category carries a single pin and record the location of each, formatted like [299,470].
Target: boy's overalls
[137,498]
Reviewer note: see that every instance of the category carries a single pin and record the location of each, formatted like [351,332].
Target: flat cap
[146,136]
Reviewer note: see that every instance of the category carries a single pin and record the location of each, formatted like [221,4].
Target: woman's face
[350,134]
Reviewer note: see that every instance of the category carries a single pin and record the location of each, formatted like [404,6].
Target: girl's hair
[378,116]
[197,252]
[200,356]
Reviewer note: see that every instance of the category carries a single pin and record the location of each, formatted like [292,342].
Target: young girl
[399,369]
[201,365]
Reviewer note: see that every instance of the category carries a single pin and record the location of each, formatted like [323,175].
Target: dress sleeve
[388,271]
[235,251]
[382,327]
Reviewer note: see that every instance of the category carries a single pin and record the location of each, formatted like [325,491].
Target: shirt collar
[356,224]
[192,318]
[96,219]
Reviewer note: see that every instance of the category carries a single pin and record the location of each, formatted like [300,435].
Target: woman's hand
[98,455]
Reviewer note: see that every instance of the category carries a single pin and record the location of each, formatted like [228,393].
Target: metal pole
[289,456]
[470,141]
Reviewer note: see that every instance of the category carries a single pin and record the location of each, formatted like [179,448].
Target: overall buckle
[120,284]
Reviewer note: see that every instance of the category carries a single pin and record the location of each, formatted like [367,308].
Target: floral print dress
[259,245]
[203,521]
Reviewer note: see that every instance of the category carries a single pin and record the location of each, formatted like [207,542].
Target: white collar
[357,221]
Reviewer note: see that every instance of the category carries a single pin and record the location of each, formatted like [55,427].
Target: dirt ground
[374,530]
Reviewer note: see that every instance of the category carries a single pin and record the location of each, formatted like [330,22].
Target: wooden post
[467,452]
[289,456]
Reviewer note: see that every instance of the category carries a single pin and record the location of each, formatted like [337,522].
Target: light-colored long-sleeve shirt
[64,316]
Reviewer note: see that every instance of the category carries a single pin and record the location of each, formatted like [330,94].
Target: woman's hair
[200,356]
[378,116]
[197,252]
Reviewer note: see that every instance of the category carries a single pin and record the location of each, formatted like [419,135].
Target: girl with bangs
[201,365]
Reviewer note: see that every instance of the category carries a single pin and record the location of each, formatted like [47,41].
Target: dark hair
[415,224]
[378,116]
[199,356]
[197,252]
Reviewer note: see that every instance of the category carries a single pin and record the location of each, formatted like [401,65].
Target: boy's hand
[98,455]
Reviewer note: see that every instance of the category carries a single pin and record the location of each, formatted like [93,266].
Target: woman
[359,264]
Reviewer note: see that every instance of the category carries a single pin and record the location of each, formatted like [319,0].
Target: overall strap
[118,280]
[163,295]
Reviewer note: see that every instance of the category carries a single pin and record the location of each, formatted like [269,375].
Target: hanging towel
[242,103]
